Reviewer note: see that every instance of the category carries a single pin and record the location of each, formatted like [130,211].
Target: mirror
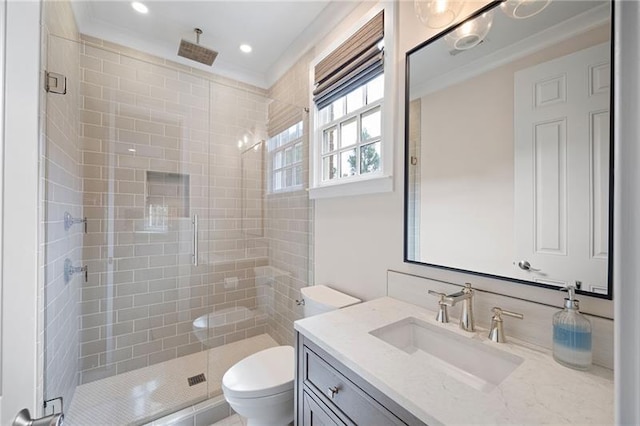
[508,154]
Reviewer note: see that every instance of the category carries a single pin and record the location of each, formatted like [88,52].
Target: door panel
[561,169]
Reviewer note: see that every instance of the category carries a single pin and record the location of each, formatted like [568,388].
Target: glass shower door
[134,161]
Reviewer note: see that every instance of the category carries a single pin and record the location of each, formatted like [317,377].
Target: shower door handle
[195,239]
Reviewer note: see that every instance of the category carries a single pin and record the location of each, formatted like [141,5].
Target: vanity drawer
[334,389]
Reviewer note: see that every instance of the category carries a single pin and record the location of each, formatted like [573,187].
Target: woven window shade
[355,62]
[282,116]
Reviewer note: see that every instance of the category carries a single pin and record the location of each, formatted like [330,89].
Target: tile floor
[139,396]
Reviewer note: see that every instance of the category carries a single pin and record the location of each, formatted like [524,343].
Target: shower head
[195,51]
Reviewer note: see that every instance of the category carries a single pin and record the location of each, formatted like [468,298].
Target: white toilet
[260,387]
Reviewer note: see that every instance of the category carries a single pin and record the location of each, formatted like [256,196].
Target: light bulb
[437,13]
[471,33]
[523,9]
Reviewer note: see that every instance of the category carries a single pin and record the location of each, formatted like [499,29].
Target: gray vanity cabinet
[328,393]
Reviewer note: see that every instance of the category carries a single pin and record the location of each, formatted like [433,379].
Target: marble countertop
[538,391]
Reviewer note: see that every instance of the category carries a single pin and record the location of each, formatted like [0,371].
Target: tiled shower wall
[143,114]
[60,188]
[289,218]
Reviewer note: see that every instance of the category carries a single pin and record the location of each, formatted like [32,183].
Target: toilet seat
[265,373]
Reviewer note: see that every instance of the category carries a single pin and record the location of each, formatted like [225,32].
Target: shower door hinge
[55,83]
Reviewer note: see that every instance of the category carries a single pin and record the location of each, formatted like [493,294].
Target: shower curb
[202,414]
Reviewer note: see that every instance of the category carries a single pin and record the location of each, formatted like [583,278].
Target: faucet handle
[437,293]
[496,333]
[498,312]
[443,313]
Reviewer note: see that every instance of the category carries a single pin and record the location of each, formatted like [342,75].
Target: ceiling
[279,31]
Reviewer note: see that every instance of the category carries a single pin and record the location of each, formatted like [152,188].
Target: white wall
[468,175]
[20,369]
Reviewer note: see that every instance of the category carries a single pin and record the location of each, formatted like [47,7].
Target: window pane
[277,180]
[288,156]
[349,133]
[297,175]
[330,140]
[375,89]
[370,158]
[355,100]
[371,125]
[297,156]
[288,177]
[338,108]
[325,115]
[329,167]
[277,160]
[348,166]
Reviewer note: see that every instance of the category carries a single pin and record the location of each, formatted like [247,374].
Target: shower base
[140,396]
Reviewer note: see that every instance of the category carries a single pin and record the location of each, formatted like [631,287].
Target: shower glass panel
[128,149]
[197,232]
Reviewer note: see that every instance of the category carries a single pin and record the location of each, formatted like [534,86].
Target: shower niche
[167,198]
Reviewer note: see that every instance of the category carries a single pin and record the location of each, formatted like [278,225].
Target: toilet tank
[320,298]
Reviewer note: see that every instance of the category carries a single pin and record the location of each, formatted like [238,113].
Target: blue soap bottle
[572,335]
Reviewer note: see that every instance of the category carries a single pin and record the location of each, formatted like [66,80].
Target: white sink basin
[472,362]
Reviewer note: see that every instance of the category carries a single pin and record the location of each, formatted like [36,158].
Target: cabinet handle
[333,390]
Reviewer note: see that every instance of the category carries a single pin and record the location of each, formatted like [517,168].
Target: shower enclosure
[175,229]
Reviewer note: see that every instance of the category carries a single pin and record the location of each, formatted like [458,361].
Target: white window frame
[271,153]
[337,123]
[382,180]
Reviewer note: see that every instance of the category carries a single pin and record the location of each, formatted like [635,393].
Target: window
[351,151]
[285,159]
[351,132]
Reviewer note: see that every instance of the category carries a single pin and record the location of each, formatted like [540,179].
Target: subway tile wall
[289,219]
[61,191]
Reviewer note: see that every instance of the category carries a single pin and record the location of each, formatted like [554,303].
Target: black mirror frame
[490,6]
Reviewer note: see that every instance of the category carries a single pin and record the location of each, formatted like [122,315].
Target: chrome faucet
[466,296]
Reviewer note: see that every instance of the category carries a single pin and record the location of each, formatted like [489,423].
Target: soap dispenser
[572,335]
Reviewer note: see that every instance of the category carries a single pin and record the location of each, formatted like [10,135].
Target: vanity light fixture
[246,48]
[437,13]
[523,9]
[139,7]
[471,33]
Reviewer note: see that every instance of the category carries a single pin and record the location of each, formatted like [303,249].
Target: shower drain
[194,380]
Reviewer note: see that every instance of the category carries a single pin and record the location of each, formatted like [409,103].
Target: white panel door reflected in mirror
[508,150]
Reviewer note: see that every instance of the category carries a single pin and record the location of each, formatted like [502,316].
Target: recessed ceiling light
[246,48]
[139,7]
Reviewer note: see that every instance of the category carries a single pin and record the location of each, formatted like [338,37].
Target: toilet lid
[264,373]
